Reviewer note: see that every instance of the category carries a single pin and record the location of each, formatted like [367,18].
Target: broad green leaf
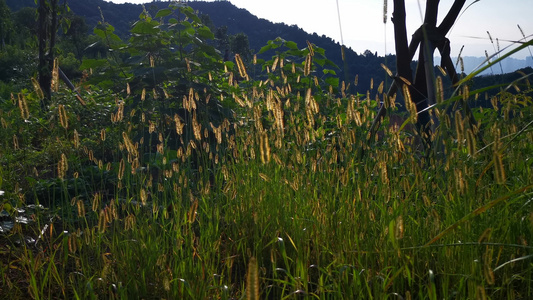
[333,81]
[319,50]
[186,27]
[291,45]
[144,27]
[163,13]
[229,64]
[99,32]
[296,52]
[205,33]
[305,80]
[265,49]
[331,64]
[106,84]
[93,63]
[65,25]
[319,61]
[191,15]
[114,37]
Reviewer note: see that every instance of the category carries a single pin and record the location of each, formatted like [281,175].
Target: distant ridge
[366,65]
[222,13]
[508,65]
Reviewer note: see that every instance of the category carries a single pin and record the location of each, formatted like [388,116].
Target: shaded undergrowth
[153,193]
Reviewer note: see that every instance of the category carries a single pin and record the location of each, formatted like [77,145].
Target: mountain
[508,65]
[366,66]
[222,13]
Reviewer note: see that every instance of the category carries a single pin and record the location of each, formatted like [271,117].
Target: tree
[421,88]
[25,26]
[206,20]
[77,35]
[6,23]
[240,45]
[48,20]
[222,39]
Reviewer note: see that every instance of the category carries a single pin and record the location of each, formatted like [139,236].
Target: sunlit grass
[299,207]
[288,199]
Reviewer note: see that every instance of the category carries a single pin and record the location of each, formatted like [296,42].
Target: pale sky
[363,28]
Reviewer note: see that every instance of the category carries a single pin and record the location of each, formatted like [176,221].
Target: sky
[363,27]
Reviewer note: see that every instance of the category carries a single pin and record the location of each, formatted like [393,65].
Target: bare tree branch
[451,17]
[403,60]
[432,9]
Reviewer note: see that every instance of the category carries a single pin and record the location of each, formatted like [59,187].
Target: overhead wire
[343,52]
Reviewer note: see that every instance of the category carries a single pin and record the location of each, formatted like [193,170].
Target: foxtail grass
[279,203]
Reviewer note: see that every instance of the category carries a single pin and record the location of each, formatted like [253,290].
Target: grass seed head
[134,165]
[241,67]
[471,142]
[55,76]
[466,93]
[459,126]
[72,243]
[187,62]
[410,105]
[102,221]
[252,280]
[179,124]
[308,64]
[275,64]
[121,169]
[63,118]
[37,88]
[191,215]
[95,203]
[23,106]
[197,128]
[440,90]
[144,196]
[311,48]
[62,167]
[81,208]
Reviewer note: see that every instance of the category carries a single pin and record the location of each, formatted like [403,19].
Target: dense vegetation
[227,21]
[178,174]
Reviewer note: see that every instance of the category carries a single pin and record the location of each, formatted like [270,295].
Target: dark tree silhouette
[47,38]
[6,23]
[77,34]
[421,88]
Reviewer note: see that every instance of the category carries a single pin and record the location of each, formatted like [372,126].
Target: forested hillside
[223,15]
[179,152]
[231,23]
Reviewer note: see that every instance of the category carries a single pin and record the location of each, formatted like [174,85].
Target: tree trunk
[45,73]
[427,38]
[46,35]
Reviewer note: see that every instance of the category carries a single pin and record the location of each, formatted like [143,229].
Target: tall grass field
[257,179]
